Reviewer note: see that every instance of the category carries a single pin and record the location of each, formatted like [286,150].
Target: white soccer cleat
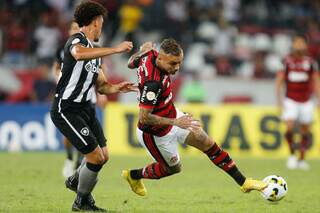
[292,162]
[303,165]
[67,170]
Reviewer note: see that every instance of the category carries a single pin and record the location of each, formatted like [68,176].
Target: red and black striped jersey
[155,92]
[298,77]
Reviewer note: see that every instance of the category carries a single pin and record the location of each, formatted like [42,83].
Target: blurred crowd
[228,38]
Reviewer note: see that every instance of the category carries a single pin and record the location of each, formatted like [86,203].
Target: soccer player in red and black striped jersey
[162,126]
[301,78]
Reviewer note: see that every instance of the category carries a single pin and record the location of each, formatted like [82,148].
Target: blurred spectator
[223,40]
[243,38]
[176,11]
[130,15]
[223,66]
[16,43]
[259,70]
[193,91]
[44,86]
[47,37]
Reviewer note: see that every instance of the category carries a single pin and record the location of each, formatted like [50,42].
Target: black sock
[222,159]
[236,175]
[136,174]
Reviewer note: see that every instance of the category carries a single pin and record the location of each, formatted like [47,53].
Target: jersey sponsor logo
[84,131]
[91,67]
[295,76]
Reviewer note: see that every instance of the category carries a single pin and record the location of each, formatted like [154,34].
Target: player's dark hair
[87,11]
[171,46]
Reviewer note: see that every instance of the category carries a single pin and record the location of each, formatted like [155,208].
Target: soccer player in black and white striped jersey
[72,111]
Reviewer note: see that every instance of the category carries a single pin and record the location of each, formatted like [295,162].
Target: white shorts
[164,149]
[296,111]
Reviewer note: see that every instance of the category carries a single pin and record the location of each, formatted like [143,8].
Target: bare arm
[279,84]
[146,47]
[56,69]
[104,87]
[145,117]
[184,122]
[80,52]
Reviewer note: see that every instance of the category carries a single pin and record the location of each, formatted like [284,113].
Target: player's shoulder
[77,38]
[148,64]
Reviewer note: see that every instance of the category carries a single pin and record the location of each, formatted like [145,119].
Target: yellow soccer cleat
[251,184]
[136,185]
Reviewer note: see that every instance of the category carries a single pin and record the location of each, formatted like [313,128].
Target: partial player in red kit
[301,78]
[162,126]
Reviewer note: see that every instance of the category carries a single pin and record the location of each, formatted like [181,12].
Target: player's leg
[305,120]
[305,142]
[164,151]
[72,181]
[290,115]
[67,170]
[200,140]
[76,129]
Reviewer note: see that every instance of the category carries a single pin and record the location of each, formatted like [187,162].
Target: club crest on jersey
[91,66]
[84,131]
[151,96]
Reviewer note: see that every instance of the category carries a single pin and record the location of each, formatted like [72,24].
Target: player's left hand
[125,87]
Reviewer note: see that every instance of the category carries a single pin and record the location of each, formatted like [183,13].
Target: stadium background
[232,49]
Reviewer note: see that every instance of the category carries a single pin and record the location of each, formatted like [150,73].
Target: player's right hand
[125,46]
[187,122]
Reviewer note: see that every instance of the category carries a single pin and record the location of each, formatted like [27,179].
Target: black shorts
[78,123]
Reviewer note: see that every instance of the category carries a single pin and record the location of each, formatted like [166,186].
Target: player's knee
[99,158]
[174,169]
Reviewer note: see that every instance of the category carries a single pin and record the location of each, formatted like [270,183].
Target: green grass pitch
[32,182]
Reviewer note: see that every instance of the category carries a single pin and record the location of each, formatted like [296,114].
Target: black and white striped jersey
[77,83]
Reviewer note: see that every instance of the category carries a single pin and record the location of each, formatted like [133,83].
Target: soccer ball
[276,189]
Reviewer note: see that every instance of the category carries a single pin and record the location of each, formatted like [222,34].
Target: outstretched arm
[80,52]
[104,87]
[134,59]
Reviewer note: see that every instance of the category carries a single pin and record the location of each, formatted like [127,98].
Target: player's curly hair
[87,11]
[171,46]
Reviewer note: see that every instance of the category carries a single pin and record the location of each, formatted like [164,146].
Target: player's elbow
[143,118]
[78,56]
[77,53]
